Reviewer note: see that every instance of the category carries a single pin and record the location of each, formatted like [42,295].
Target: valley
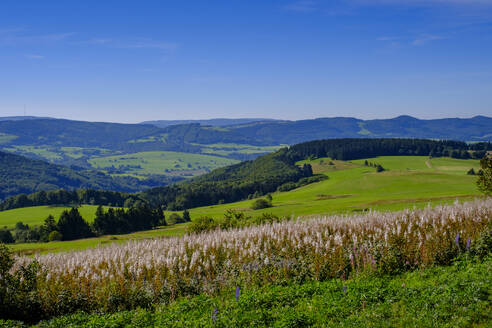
[351,187]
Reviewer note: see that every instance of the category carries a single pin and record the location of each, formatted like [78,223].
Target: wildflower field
[159,271]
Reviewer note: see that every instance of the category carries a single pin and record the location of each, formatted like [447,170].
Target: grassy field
[36,215]
[352,187]
[59,154]
[161,162]
[63,246]
[225,149]
[409,181]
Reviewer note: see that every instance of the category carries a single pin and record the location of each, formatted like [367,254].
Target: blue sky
[130,61]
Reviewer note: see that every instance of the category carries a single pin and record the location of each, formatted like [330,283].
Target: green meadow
[408,181]
[161,162]
[35,215]
[226,149]
[351,187]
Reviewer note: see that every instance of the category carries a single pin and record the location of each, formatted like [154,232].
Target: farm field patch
[160,162]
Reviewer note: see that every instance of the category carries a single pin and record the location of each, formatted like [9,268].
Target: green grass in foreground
[455,296]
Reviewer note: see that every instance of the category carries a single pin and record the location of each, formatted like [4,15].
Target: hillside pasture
[160,162]
[353,187]
[35,215]
[226,149]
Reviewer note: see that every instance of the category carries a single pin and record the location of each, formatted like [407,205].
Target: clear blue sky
[129,61]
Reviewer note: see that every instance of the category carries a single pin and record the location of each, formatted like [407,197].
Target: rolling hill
[235,182]
[209,122]
[23,175]
[351,187]
[87,144]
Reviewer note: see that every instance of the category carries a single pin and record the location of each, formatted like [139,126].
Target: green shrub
[287,186]
[173,219]
[55,236]
[260,204]
[202,224]
[483,245]
[267,218]
[6,236]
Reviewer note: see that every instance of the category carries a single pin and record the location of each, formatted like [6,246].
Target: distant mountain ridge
[269,132]
[71,142]
[21,118]
[209,122]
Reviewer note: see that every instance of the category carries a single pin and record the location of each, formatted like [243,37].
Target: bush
[267,218]
[173,219]
[19,296]
[483,245]
[260,204]
[6,236]
[287,186]
[202,224]
[55,236]
[186,216]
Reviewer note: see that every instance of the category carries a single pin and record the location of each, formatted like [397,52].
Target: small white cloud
[147,70]
[303,6]
[97,41]
[424,39]
[19,36]
[137,43]
[147,43]
[31,56]
[387,38]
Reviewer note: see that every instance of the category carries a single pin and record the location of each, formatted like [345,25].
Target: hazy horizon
[241,118]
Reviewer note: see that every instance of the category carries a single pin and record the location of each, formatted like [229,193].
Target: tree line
[352,149]
[71,225]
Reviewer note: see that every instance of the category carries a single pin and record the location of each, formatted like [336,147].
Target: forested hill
[270,172]
[209,122]
[22,175]
[478,128]
[140,137]
[349,149]
[228,184]
[73,133]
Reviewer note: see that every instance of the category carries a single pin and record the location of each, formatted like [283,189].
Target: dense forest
[252,179]
[20,175]
[228,184]
[350,149]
